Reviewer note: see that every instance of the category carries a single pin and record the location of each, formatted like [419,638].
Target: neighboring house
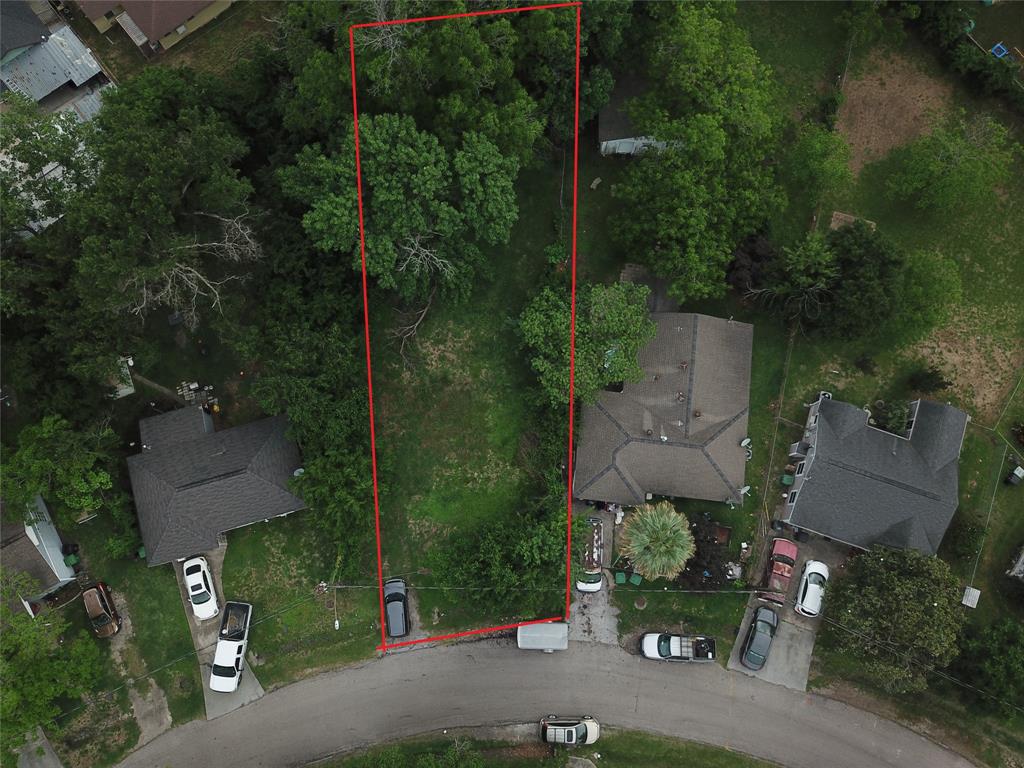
[679,431]
[861,485]
[192,483]
[153,25]
[615,130]
[45,62]
[34,547]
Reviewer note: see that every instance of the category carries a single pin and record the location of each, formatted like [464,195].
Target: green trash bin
[620,577]
[71,560]
[636,579]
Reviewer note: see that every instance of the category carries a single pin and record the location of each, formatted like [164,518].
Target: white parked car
[199,584]
[812,588]
[569,731]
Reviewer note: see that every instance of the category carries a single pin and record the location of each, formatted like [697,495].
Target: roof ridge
[882,479]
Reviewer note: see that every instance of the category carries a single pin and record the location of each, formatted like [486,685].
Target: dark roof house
[862,485]
[192,483]
[678,432]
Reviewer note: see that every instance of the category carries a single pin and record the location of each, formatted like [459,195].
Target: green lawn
[617,749]
[455,420]
[276,566]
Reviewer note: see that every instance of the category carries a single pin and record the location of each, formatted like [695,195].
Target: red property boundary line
[384,645]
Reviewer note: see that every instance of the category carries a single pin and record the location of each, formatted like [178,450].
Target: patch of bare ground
[888,105]
[530,751]
[99,728]
[981,364]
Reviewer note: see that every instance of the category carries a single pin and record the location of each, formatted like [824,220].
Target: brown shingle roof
[155,17]
[695,363]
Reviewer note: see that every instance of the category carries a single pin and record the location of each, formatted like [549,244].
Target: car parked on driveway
[99,606]
[763,626]
[569,731]
[812,588]
[199,585]
[232,643]
[396,607]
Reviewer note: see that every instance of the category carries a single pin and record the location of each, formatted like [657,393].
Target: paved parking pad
[789,661]
[204,639]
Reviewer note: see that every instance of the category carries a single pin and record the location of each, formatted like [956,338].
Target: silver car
[396,607]
[569,731]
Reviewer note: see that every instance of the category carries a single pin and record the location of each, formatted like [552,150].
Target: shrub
[657,541]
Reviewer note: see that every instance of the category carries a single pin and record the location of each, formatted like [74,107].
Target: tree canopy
[426,212]
[899,616]
[657,540]
[957,166]
[612,325]
[41,663]
[686,206]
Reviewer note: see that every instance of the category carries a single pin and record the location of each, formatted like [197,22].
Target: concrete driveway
[789,662]
[490,683]
[204,638]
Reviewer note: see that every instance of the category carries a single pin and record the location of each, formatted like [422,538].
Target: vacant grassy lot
[455,419]
[617,749]
[276,566]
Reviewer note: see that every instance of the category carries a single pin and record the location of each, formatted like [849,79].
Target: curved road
[492,682]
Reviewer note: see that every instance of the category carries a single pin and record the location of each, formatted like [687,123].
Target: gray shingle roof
[193,483]
[700,457]
[19,26]
[865,486]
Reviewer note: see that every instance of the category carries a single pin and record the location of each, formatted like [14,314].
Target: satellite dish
[745,443]
[744,490]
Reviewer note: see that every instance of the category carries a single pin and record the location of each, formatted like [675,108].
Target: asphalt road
[491,682]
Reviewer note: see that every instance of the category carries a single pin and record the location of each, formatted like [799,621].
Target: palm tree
[657,540]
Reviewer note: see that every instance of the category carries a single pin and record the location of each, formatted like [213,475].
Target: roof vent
[696,414]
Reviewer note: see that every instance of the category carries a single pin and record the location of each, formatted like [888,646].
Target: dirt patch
[534,751]
[706,569]
[888,105]
[981,366]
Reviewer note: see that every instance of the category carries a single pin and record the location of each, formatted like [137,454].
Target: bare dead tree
[388,39]
[409,326]
[418,258]
[181,284]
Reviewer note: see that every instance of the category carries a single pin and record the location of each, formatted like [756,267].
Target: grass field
[276,566]
[455,419]
[616,749]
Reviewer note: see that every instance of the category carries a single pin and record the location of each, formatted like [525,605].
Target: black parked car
[759,638]
[396,607]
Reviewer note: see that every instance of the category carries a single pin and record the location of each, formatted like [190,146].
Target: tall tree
[686,206]
[956,167]
[994,658]
[818,162]
[43,162]
[426,213]
[898,616]
[61,464]
[167,213]
[41,663]
[800,282]
[612,325]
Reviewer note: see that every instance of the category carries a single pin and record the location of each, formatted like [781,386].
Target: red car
[780,565]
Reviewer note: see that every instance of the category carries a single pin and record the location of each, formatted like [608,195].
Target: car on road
[396,607]
[569,731]
[664,647]
[199,585]
[812,588]
[99,606]
[763,626]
